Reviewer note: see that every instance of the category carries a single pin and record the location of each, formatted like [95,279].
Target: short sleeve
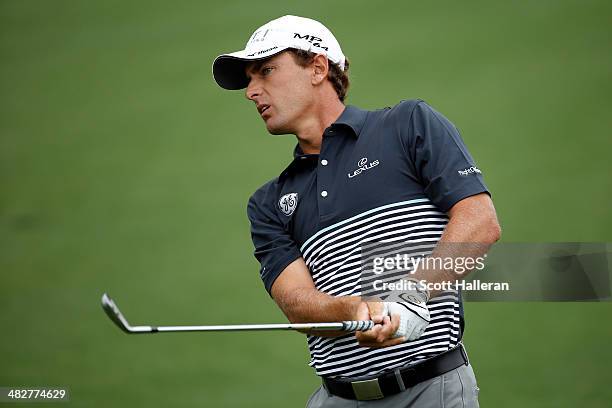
[442,161]
[274,247]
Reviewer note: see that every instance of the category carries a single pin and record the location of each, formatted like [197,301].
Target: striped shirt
[386,176]
[334,258]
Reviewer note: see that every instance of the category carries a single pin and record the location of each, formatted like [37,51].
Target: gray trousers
[455,389]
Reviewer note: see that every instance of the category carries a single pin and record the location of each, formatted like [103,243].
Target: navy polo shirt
[389,174]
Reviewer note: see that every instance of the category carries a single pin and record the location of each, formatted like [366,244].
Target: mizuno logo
[262,51]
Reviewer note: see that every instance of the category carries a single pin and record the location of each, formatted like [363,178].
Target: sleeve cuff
[271,272]
[454,197]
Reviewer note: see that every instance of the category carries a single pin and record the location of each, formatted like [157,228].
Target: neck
[310,134]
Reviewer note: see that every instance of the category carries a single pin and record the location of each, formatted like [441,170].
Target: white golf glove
[413,314]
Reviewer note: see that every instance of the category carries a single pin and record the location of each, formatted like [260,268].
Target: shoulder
[399,117]
[417,114]
[263,203]
[405,109]
[263,193]
[400,113]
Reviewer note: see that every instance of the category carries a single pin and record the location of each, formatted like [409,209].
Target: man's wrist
[419,294]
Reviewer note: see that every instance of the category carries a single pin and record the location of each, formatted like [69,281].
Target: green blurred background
[124,168]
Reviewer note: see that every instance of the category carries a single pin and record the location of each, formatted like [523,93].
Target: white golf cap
[272,38]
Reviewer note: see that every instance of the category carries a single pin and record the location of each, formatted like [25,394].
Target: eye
[266,70]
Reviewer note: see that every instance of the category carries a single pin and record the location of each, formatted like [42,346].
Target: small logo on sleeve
[288,203]
[363,165]
[469,170]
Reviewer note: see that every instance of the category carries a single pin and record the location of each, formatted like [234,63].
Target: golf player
[357,177]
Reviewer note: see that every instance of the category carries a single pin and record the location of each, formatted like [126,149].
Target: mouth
[262,108]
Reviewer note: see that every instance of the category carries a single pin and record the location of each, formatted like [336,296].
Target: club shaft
[113,312]
[249,327]
[345,326]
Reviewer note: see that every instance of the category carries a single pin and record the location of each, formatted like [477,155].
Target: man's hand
[395,323]
[381,335]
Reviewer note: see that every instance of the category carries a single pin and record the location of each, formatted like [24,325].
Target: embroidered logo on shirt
[287,203]
[469,170]
[363,166]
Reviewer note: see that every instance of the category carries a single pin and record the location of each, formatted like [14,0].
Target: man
[361,178]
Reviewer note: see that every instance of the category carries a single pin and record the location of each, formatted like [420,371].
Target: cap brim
[229,69]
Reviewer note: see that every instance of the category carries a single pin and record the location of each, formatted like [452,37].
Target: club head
[112,311]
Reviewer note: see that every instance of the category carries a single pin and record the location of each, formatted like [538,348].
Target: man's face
[282,91]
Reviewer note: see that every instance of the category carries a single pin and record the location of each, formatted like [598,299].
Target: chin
[276,129]
[277,132]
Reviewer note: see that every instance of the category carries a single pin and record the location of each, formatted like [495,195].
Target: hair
[338,77]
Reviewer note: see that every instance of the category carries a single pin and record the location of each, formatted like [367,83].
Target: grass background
[124,168]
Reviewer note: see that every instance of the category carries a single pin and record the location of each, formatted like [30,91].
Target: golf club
[117,317]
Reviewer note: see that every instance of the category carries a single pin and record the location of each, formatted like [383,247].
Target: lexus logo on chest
[287,203]
[363,165]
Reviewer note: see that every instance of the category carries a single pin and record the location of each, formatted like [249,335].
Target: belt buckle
[366,390]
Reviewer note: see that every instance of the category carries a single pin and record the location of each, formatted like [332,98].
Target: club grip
[357,325]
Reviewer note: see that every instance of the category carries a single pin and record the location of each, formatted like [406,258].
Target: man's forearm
[306,305]
[446,250]
[470,232]
[296,295]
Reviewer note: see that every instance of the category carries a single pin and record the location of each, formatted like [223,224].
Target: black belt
[369,388]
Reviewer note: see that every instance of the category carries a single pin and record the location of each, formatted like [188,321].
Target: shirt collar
[297,151]
[351,116]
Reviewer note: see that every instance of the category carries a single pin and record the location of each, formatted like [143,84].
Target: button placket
[325,173]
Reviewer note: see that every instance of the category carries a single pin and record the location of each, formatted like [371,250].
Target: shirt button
[324,162]
[324,193]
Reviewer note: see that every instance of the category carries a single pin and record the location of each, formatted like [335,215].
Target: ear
[320,67]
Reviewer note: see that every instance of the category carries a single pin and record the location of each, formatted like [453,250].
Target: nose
[253,89]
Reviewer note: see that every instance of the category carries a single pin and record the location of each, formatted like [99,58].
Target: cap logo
[315,41]
[258,36]
[288,203]
[262,51]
